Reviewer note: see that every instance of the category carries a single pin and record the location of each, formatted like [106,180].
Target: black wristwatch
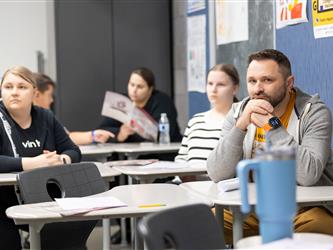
[274,122]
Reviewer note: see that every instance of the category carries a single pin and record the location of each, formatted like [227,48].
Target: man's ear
[36,93]
[290,82]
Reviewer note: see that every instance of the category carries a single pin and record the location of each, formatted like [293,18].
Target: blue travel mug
[275,181]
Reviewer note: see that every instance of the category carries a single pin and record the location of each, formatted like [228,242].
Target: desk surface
[305,196]
[106,172]
[132,195]
[7,179]
[152,172]
[210,190]
[98,149]
[145,147]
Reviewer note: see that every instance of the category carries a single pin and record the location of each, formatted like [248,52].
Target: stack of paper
[78,205]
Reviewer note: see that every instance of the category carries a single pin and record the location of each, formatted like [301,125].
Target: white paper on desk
[77,205]
[165,165]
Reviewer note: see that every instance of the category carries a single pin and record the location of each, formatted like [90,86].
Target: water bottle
[164,129]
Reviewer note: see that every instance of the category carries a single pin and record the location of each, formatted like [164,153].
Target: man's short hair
[43,82]
[275,55]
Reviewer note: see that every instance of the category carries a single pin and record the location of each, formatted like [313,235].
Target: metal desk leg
[106,234]
[106,227]
[138,242]
[130,180]
[122,182]
[237,224]
[34,231]
[132,156]
[123,230]
[219,215]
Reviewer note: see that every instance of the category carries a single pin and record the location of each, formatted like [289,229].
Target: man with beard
[293,118]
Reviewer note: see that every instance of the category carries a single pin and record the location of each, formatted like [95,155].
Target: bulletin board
[198,101]
[261,36]
[311,59]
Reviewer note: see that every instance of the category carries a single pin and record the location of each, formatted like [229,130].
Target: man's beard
[273,100]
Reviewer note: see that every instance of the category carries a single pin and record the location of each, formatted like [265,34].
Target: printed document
[121,108]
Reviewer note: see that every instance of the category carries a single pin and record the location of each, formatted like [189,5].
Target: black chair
[70,180]
[186,227]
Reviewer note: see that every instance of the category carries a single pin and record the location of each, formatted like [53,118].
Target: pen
[152,205]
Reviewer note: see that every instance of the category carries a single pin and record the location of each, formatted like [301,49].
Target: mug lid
[277,152]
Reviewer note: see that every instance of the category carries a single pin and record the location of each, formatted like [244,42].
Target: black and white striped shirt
[201,136]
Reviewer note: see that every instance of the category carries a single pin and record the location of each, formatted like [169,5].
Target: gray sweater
[310,131]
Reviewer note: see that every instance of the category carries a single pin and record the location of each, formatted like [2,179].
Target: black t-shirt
[45,133]
[30,140]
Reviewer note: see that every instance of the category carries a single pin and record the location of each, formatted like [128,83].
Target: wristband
[267,127]
[93,136]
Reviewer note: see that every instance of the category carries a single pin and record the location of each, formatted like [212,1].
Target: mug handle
[243,169]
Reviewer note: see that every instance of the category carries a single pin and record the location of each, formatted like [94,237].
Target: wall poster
[289,12]
[196,53]
[322,18]
[231,21]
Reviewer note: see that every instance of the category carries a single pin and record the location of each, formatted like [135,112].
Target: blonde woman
[204,129]
[30,137]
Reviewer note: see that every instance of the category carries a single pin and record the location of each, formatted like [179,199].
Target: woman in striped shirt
[204,129]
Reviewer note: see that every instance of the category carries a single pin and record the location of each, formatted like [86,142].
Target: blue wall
[198,102]
[311,59]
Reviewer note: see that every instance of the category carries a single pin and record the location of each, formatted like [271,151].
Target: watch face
[274,122]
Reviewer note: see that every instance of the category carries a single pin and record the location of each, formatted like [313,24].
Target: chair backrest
[69,180]
[186,227]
